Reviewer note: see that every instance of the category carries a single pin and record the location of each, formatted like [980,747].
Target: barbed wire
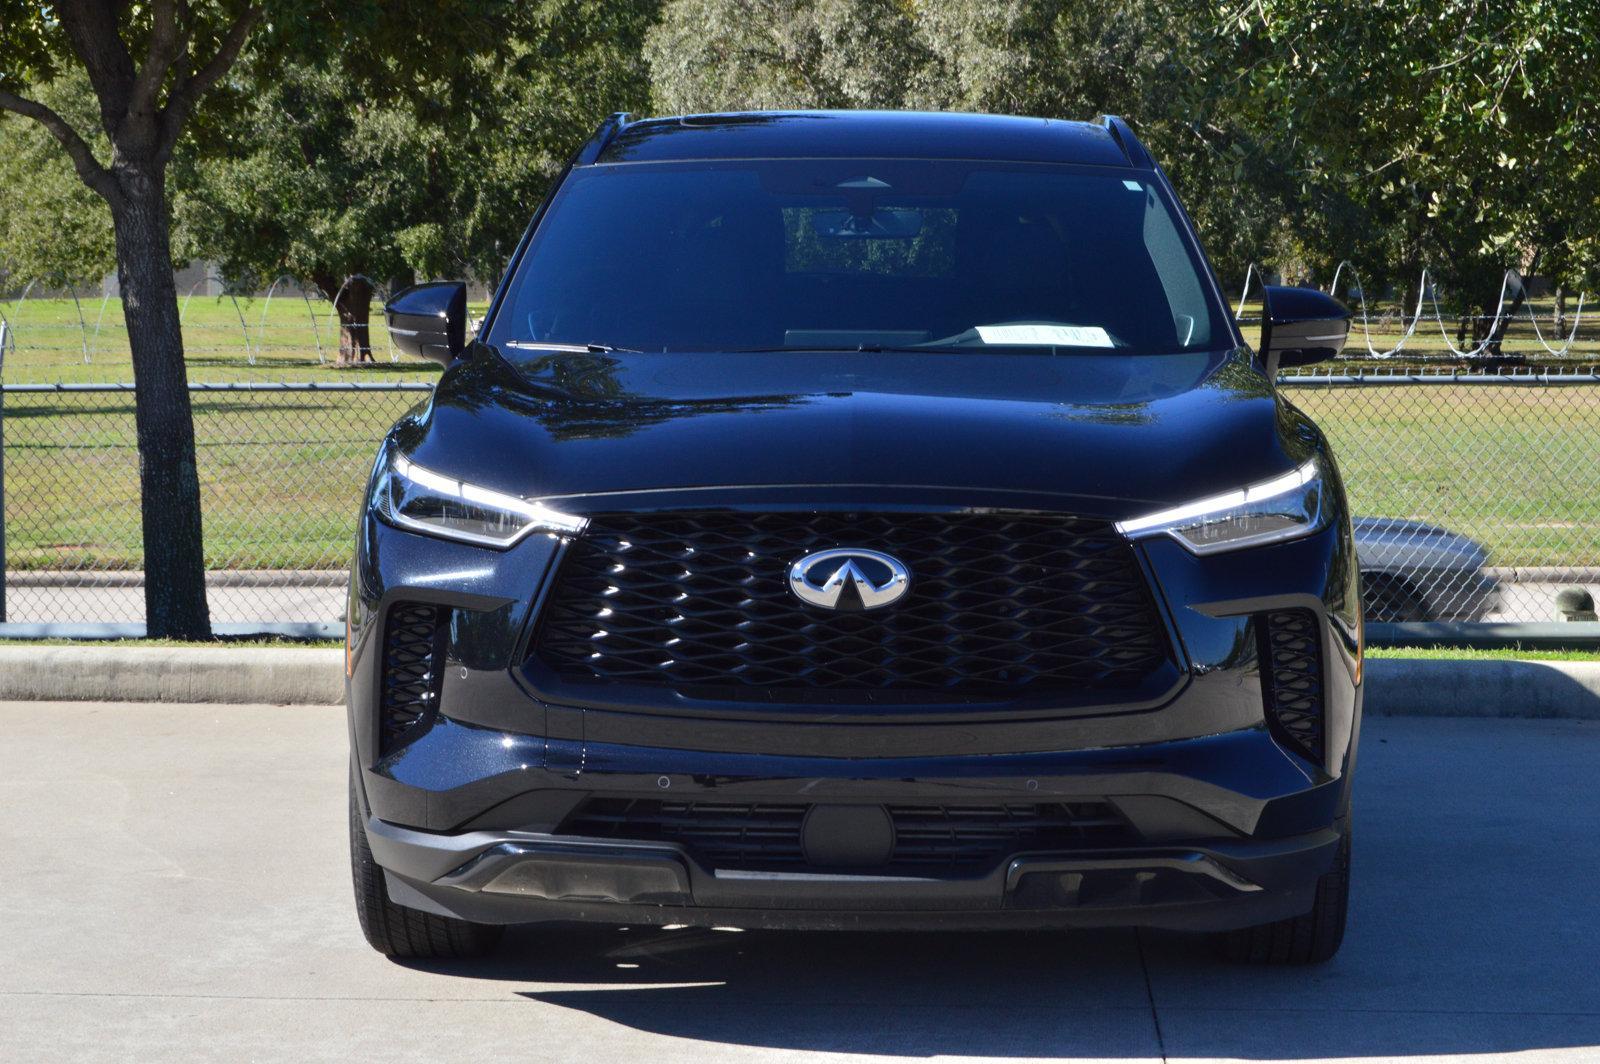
[254,338]
[1427,292]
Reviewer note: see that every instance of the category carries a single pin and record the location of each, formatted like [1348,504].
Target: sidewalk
[93,597]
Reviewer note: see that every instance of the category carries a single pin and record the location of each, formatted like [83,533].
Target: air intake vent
[1291,679]
[413,671]
[929,839]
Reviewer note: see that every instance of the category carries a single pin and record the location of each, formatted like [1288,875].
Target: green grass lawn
[280,475]
[1499,654]
[225,339]
[1516,468]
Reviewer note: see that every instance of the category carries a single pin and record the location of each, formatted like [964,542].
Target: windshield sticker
[1046,335]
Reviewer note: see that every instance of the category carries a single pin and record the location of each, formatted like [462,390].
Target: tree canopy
[1462,136]
[327,176]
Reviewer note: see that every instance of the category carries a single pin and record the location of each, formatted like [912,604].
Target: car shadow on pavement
[1472,932]
[1066,994]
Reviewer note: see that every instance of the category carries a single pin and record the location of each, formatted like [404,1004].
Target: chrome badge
[849,579]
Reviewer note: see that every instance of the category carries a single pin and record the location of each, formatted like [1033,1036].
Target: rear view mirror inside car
[883,223]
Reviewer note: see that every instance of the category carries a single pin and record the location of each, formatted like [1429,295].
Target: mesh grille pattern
[997,604]
[413,662]
[722,834]
[928,838]
[970,835]
[1291,677]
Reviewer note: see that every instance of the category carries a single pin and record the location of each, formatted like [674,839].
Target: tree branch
[96,38]
[184,96]
[166,43]
[89,169]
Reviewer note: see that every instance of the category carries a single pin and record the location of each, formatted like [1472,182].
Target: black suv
[850,520]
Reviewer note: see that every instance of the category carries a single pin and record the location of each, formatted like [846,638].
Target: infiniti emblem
[849,579]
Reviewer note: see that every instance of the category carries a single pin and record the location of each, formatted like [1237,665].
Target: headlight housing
[419,499]
[1271,511]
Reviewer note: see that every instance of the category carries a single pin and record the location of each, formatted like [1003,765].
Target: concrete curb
[262,676]
[1396,687]
[75,578]
[1543,690]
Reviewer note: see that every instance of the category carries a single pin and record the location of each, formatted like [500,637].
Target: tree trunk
[352,303]
[1518,297]
[1561,311]
[174,550]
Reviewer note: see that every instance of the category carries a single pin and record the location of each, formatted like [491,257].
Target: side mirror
[429,320]
[1300,326]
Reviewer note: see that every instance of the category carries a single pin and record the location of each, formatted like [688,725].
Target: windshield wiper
[592,349]
[804,349]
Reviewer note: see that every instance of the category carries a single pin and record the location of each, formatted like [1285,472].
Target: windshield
[857,254]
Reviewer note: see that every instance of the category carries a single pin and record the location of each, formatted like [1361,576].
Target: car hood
[1110,435]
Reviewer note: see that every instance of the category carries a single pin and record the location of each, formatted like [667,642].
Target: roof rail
[609,128]
[1132,150]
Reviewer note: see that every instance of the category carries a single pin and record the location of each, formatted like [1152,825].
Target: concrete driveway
[173,886]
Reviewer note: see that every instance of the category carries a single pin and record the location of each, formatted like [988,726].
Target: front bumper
[1222,831]
[1230,827]
[516,877]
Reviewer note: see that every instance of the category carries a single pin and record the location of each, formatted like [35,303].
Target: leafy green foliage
[1462,134]
[53,229]
[1300,132]
[324,176]
[1037,57]
[760,54]
[320,181]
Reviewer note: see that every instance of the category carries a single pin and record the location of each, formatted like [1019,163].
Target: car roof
[868,134]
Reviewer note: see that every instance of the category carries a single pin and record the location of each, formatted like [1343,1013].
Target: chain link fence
[1476,486]
[1476,495]
[281,470]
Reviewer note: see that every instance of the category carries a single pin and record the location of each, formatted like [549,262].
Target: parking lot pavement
[173,886]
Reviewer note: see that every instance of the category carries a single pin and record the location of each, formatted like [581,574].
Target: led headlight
[1273,510]
[422,500]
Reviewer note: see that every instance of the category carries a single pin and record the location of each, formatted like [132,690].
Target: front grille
[928,838]
[413,671]
[1291,678]
[999,605]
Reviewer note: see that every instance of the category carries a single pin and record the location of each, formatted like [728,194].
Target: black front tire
[402,932]
[1308,939]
